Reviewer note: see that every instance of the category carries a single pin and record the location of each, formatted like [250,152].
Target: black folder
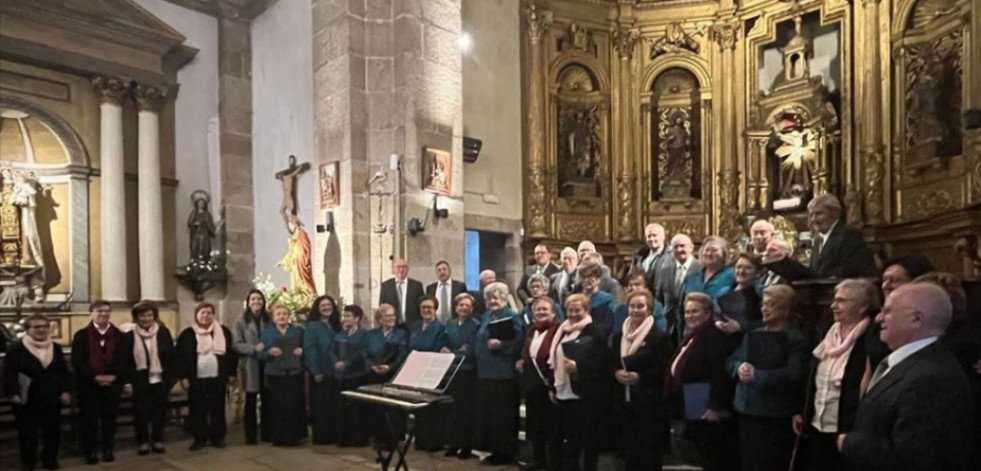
[741,306]
[501,329]
[790,269]
[632,362]
[343,349]
[696,400]
[767,350]
[576,350]
[389,353]
[288,361]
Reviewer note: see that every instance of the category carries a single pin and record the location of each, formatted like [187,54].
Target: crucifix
[288,178]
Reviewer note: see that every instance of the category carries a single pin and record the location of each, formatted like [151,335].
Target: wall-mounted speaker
[471,149]
[972,119]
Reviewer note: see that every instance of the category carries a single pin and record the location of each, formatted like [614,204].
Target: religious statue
[797,149]
[674,40]
[583,145]
[288,178]
[677,145]
[297,261]
[21,194]
[201,226]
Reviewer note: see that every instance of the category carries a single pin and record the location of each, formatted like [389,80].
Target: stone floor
[264,457]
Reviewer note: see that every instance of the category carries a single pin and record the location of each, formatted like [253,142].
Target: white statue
[23,196]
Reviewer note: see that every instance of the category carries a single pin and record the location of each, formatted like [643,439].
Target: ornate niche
[675,127]
[580,133]
[795,135]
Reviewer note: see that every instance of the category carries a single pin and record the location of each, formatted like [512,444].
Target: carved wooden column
[537,213]
[725,32]
[112,205]
[149,99]
[624,40]
[872,159]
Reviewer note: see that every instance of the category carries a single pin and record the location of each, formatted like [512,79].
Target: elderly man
[649,257]
[563,283]
[760,234]
[487,277]
[916,413]
[543,266]
[672,274]
[402,292]
[775,249]
[607,283]
[898,271]
[445,290]
[839,251]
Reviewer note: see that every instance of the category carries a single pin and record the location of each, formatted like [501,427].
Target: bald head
[761,233]
[585,248]
[654,236]
[913,312]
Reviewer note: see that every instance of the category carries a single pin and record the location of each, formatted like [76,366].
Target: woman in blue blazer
[461,335]
[714,277]
[284,374]
[428,335]
[351,369]
[318,349]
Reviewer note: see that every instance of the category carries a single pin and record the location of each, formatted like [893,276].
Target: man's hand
[711,416]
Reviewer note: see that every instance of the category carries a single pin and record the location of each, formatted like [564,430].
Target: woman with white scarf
[580,363]
[36,379]
[152,350]
[205,363]
[835,387]
[642,352]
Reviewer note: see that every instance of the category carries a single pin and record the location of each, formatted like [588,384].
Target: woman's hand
[798,423]
[520,365]
[445,350]
[185,384]
[728,325]
[16,399]
[570,366]
[128,390]
[298,352]
[493,344]
[711,416]
[339,366]
[318,378]
[275,352]
[551,397]
[65,398]
[381,369]
[745,372]
[259,347]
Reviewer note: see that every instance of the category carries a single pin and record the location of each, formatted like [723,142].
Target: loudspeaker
[471,149]
[972,119]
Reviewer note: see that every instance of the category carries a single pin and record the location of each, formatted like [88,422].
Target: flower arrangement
[298,303]
[201,274]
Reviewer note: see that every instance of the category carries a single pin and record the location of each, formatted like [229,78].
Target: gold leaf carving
[581,229]
[927,204]
[675,39]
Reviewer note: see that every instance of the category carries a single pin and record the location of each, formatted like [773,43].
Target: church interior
[189,151]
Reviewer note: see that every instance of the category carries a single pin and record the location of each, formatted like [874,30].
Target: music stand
[420,382]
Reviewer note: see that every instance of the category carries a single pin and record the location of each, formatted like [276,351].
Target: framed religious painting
[437,168]
[330,196]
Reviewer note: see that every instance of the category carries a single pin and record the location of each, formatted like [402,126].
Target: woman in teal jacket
[318,347]
[351,369]
[284,374]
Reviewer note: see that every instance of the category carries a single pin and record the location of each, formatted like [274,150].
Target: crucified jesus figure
[288,178]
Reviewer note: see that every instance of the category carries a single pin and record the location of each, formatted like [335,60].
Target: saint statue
[297,261]
[797,149]
[288,177]
[24,197]
[201,226]
[677,147]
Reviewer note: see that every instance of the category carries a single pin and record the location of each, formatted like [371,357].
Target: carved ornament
[581,229]
[624,40]
[675,40]
[970,247]
[538,22]
[730,223]
[625,192]
[932,98]
[853,204]
[149,97]
[726,32]
[537,201]
[690,228]
[874,177]
[934,202]
[579,37]
[109,89]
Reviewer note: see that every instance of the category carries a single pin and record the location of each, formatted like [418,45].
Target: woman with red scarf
[101,363]
[642,353]
[535,377]
[699,363]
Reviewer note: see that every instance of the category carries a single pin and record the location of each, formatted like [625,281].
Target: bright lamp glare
[465,41]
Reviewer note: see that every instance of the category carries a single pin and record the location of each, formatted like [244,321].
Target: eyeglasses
[39,326]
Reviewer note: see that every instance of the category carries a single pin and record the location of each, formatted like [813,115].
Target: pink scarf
[43,351]
[838,345]
[211,339]
[148,338]
[633,338]
[567,333]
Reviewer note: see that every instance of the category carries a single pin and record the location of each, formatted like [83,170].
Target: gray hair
[720,241]
[496,288]
[867,294]
[539,278]
[827,201]
[569,249]
[681,237]
[593,257]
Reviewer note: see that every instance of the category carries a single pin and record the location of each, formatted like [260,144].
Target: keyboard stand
[395,406]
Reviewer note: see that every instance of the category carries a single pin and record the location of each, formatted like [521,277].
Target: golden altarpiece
[705,115]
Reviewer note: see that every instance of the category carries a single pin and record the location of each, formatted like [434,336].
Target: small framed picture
[437,169]
[56,332]
[330,196]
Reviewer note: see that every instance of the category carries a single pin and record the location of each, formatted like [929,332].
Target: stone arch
[77,154]
[687,61]
[581,59]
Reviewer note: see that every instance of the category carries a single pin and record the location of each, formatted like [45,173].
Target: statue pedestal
[15,281]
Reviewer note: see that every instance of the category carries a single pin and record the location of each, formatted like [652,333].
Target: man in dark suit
[402,292]
[543,265]
[650,257]
[564,282]
[839,250]
[671,275]
[916,414]
[445,289]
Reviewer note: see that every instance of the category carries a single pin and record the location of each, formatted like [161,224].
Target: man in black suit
[650,257]
[839,250]
[543,265]
[445,289]
[565,281]
[916,414]
[402,292]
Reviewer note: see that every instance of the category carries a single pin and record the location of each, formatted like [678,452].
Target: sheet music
[424,370]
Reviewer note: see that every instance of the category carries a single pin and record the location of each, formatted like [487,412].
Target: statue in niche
[297,261]
[933,98]
[288,178]
[795,145]
[675,136]
[580,38]
[675,158]
[20,196]
[580,151]
[201,226]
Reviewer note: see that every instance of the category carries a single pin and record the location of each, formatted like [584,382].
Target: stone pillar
[537,213]
[872,160]
[112,206]
[725,32]
[235,144]
[148,100]
[624,40]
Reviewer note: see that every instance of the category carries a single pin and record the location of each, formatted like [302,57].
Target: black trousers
[350,424]
[99,407]
[322,397]
[459,420]
[765,443]
[496,424]
[149,409]
[429,427]
[254,427]
[540,416]
[579,438]
[820,452]
[32,422]
[289,412]
[646,431]
[207,402]
[717,443]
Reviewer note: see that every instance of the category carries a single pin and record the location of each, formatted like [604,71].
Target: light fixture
[465,41]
